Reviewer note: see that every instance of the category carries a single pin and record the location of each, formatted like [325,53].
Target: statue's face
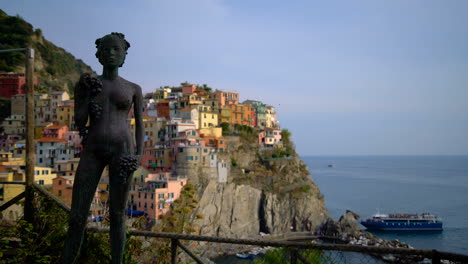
[112,52]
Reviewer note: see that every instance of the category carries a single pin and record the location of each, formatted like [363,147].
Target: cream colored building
[43,175]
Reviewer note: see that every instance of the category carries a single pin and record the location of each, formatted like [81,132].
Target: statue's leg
[87,178]
[119,186]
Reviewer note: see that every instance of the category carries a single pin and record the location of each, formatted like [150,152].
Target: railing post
[174,243]
[293,256]
[30,151]
[435,257]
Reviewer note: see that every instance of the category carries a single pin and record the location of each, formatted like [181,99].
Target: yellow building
[212,132]
[7,192]
[43,175]
[161,94]
[207,119]
[225,115]
[66,114]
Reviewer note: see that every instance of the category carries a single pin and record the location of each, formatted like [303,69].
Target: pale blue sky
[369,77]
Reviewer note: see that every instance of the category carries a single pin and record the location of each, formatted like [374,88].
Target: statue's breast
[122,98]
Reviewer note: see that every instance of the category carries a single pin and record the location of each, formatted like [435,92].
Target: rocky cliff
[262,194]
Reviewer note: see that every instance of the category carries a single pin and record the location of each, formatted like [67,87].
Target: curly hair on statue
[119,36]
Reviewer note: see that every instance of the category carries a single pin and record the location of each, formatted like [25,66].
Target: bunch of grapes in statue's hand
[128,164]
[95,110]
[96,86]
[93,84]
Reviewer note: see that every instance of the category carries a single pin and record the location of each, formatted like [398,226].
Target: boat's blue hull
[402,226]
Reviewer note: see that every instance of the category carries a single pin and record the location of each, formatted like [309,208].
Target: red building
[12,84]
[163,110]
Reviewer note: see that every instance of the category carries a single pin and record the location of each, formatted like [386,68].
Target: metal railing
[329,252]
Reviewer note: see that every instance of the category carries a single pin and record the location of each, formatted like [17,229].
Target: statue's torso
[110,131]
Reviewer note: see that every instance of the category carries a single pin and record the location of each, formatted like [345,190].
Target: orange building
[241,114]
[62,187]
[215,142]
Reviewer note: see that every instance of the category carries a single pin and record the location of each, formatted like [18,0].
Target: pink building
[54,131]
[160,176]
[269,137]
[155,197]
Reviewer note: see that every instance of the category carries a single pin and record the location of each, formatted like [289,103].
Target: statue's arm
[138,111]
[81,102]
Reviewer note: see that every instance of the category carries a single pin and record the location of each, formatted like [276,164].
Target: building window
[60,193]
[161,196]
[60,182]
[161,206]
[41,182]
[171,195]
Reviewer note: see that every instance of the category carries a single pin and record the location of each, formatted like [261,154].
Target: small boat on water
[249,254]
[245,255]
[404,222]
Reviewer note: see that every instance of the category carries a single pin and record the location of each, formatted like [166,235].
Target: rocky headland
[268,192]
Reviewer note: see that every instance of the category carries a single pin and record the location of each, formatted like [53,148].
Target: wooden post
[174,243]
[30,148]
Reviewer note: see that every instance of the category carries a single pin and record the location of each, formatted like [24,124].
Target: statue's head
[112,49]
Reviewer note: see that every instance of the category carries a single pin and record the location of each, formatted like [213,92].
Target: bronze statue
[106,100]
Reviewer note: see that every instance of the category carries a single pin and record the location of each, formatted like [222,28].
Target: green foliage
[281,256]
[39,243]
[95,249]
[178,219]
[306,188]
[233,163]
[286,136]
[60,67]
[226,127]
[204,87]
[14,33]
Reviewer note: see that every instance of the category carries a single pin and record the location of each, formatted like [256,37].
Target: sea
[397,184]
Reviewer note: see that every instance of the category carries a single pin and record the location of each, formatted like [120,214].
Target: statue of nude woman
[107,141]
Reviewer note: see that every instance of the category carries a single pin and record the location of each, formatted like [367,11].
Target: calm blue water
[400,184]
